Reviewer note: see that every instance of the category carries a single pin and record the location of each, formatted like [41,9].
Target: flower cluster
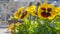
[40,19]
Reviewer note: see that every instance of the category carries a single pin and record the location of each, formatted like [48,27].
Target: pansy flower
[46,10]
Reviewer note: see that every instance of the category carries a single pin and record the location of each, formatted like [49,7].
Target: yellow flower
[46,10]
[11,26]
[18,13]
[58,10]
[32,10]
[17,24]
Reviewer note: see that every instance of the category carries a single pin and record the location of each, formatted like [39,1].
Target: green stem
[14,29]
[30,19]
[35,20]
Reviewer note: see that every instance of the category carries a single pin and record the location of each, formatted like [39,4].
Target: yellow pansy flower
[11,26]
[31,9]
[18,12]
[46,10]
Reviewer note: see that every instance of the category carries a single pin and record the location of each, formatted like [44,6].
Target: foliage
[44,21]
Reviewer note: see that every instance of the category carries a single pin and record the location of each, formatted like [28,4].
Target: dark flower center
[49,9]
[24,14]
[44,14]
[44,9]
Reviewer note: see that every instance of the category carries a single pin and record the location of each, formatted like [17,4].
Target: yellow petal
[31,9]
[51,17]
[58,10]
[20,9]
[11,26]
